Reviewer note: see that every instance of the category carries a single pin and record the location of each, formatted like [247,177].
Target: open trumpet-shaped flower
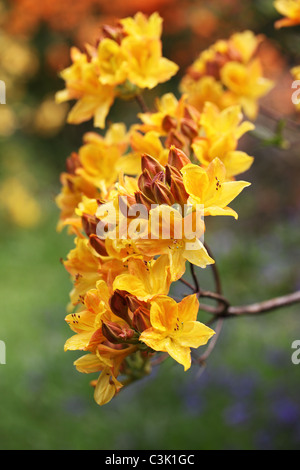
[221,132]
[175,328]
[211,188]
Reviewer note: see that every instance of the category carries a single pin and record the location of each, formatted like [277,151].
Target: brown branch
[256,308]
[195,279]
[263,307]
[140,100]
[215,271]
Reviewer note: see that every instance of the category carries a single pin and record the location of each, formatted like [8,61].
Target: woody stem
[140,100]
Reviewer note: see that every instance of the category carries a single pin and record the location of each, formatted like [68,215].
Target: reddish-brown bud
[162,194]
[177,158]
[169,123]
[189,128]
[141,319]
[144,183]
[151,164]
[89,223]
[73,163]
[119,306]
[175,181]
[98,245]
[142,199]
[175,138]
[112,32]
[116,333]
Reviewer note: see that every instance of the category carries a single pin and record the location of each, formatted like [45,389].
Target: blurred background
[247,397]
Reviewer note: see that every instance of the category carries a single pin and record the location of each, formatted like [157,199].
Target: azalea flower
[221,131]
[228,73]
[211,188]
[175,328]
[120,66]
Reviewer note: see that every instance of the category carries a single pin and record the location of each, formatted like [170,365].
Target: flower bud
[116,333]
[151,164]
[169,123]
[175,138]
[98,245]
[177,158]
[142,199]
[119,306]
[89,223]
[73,163]
[189,128]
[144,183]
[162,194]
[141,319]
[175,181]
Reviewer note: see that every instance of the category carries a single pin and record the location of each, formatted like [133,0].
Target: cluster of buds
[162,185]
[177,165]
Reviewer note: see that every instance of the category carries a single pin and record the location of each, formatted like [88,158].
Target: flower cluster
[228,72]
[127,59]
[135,201]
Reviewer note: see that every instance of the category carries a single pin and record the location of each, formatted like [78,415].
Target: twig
[141,103]
[195,279]
[188,284]
[263,307]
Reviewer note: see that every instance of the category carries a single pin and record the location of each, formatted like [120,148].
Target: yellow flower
[228,73]
[119,67]
[210,188]
[175,328]
[142,27]
[167,105]
[177,235]
[202,90]
[148,143]
[94,99]
[290,9]
[247,84]
[100,158]
[107,384]
[221,131]
[106,360]
[87,322]
[111,61]
[142,46]
[83,264]
[146,66]
[145,280]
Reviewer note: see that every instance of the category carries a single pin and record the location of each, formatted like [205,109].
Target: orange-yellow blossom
[175,328]
[145,279]
[211,188]
[290,9]
[221,131]
[94,99]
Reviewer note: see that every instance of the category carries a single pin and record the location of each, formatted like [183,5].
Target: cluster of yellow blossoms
[228,73]
[132,199]
[128,58]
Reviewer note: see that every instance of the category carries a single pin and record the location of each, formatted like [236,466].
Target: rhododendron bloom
[175,328]
[136,197]
[211,188]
